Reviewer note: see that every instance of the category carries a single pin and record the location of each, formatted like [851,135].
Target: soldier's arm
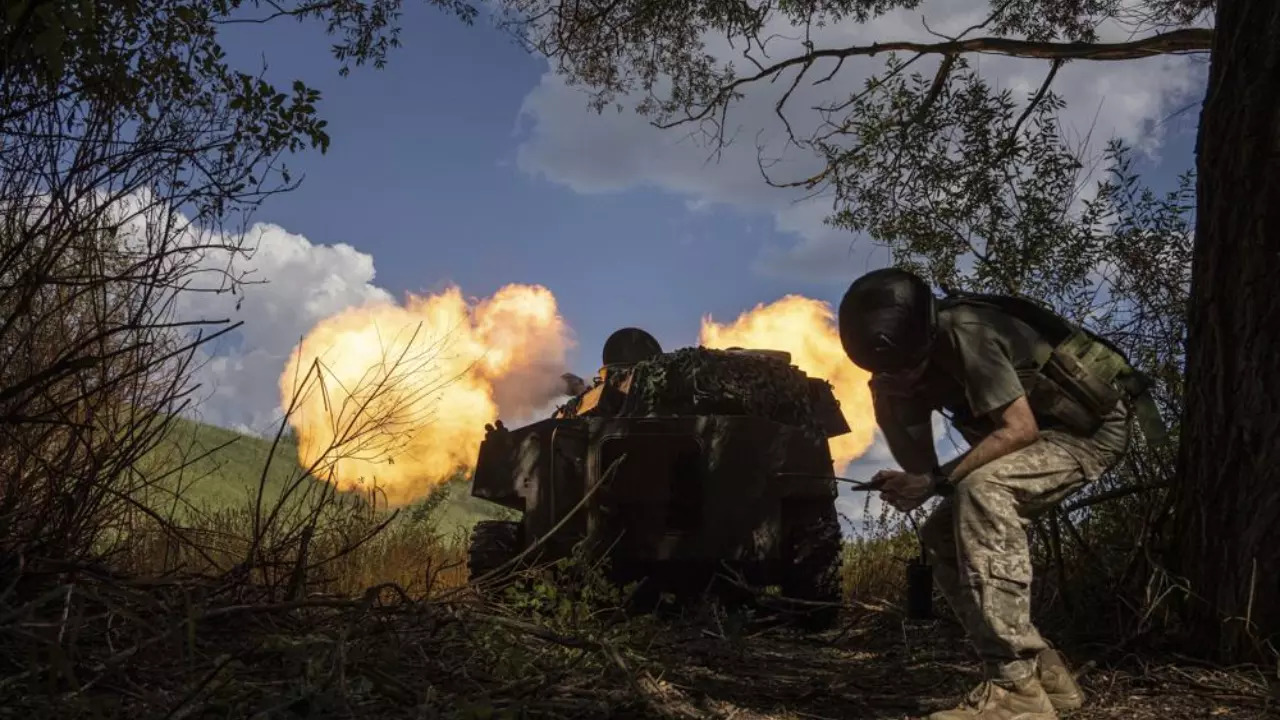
[908,429]
[1016,428]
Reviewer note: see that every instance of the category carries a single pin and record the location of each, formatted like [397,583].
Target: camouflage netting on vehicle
[702,381]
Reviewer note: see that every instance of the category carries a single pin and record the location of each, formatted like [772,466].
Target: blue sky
[464,161]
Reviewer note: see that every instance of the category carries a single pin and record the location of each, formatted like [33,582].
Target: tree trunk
[1229,468]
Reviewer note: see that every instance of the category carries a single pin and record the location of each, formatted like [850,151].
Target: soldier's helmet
[887,320]
[628,346]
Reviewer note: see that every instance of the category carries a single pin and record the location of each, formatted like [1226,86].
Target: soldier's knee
[977,489]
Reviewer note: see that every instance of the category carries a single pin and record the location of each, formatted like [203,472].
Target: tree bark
[1229,466]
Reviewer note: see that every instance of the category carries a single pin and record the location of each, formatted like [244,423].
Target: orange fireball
[806,328]
[395,397]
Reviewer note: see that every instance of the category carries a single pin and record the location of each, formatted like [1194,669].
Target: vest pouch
[1080,399]
[1050,401]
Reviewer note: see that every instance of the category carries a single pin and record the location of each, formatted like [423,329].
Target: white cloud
[607,152]
[296,283]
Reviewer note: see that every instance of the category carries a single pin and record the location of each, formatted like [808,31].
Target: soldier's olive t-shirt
[975,366]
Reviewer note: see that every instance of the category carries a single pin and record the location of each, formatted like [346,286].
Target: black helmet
[887,321]
[629,345]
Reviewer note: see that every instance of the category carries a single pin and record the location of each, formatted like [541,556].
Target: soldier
[1033,442]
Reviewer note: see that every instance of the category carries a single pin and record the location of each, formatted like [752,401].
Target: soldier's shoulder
[952,317]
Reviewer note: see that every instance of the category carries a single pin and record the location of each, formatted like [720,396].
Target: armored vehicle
[677,466]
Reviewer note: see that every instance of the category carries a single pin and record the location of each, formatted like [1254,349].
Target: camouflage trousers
[977,540]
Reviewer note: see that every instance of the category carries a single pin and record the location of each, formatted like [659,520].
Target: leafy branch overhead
[658,51]
[689,63]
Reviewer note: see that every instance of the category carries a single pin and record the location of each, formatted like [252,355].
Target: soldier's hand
[904,491]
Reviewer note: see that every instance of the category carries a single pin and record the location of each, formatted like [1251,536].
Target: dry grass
[98,646]
[356,549]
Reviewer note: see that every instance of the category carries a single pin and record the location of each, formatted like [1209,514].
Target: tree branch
[1113,495]
[935,90]
[1036,99]
[1177,41]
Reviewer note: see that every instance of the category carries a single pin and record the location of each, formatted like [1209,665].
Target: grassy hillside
[212,468]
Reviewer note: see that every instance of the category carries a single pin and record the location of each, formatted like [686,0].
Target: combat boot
[1058,681]
[1003,700]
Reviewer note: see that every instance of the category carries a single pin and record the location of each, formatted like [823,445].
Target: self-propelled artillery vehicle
[676,466]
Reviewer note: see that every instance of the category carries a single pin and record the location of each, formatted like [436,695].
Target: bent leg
[992,508]
[938,535]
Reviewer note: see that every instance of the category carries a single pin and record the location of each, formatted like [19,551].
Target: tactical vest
[1082,377]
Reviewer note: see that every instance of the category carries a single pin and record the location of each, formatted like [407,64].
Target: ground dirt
[882,668]
[389,658]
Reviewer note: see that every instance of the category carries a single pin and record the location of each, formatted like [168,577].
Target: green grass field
[207,468]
